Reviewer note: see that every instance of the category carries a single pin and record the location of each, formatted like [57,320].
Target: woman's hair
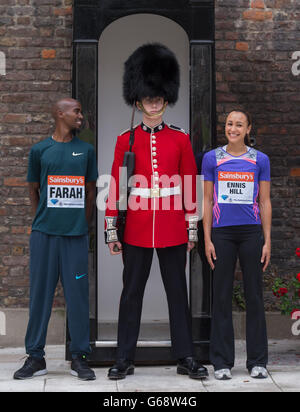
[249,120]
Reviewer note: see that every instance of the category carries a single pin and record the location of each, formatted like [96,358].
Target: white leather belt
[155,192]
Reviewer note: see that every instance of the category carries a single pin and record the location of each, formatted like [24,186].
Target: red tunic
[164,158]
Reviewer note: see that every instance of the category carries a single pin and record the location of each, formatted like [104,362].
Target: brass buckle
[154,192]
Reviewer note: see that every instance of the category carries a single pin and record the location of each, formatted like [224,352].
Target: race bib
[66,191]
[235,187]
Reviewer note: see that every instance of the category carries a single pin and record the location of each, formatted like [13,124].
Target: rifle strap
[131,137]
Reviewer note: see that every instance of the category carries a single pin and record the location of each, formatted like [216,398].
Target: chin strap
[160,113]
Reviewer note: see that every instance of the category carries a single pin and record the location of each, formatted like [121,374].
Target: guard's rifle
[124,188]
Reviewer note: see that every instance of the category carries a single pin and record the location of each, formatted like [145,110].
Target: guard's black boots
[190,366]
[121,369]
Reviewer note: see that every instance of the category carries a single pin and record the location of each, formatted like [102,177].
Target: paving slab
[283,367]
[159,379]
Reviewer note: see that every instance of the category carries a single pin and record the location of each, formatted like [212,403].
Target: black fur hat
[151,71]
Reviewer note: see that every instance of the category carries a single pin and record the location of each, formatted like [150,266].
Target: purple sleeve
[208,166]
[264,168]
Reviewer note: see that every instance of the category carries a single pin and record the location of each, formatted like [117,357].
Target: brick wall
[36,37]
[256,40]
[255,43]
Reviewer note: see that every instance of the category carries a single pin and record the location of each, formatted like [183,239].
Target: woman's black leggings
[245,242]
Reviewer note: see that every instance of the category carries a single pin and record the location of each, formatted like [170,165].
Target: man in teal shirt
[62,174]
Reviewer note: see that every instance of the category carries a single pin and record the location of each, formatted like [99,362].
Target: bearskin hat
[151,71]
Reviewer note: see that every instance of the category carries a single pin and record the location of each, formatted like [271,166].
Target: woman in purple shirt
[237,223]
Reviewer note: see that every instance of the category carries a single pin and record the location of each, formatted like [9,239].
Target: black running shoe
[32,367]
[80,368]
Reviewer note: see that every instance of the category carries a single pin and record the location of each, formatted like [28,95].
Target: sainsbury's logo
[66,180]
[237,176]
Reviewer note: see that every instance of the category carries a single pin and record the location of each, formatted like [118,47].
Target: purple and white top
[236,185]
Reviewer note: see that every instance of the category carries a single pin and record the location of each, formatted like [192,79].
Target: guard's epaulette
[128,130]
[171,126]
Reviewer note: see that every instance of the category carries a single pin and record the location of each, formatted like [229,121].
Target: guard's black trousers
[246,242]
[137,264]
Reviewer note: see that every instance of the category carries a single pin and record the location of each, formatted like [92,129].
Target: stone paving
[283,367]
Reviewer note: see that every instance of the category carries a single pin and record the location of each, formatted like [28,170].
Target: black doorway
[197,19]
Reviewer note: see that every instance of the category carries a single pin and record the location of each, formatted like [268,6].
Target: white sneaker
[259,372]
[223,374]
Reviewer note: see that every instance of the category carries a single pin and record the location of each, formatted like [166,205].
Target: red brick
[15,181]
[295,172]
[15,260]
[257,15]
[16,118]
[242,46]
[17,251]
[258,4]
[20,141]
[23,21]
[48,54]
[63,11]
[3,271]
[18,229]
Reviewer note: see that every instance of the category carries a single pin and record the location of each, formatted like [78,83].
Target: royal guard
[161,212]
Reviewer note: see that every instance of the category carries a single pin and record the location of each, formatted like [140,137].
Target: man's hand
[34,196]
[190,246]
[115,245]
[90,193]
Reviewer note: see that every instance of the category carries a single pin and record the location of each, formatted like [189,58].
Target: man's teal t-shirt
[62,170]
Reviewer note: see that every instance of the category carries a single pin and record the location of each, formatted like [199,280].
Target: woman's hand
[266,255]
[265,208]
[210,253]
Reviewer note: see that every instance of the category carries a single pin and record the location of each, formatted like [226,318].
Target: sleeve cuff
[192,228]
[110,233]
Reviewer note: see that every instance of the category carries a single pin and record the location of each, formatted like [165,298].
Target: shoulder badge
[178,129]
[251,155]
[128,130]
[220,154]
